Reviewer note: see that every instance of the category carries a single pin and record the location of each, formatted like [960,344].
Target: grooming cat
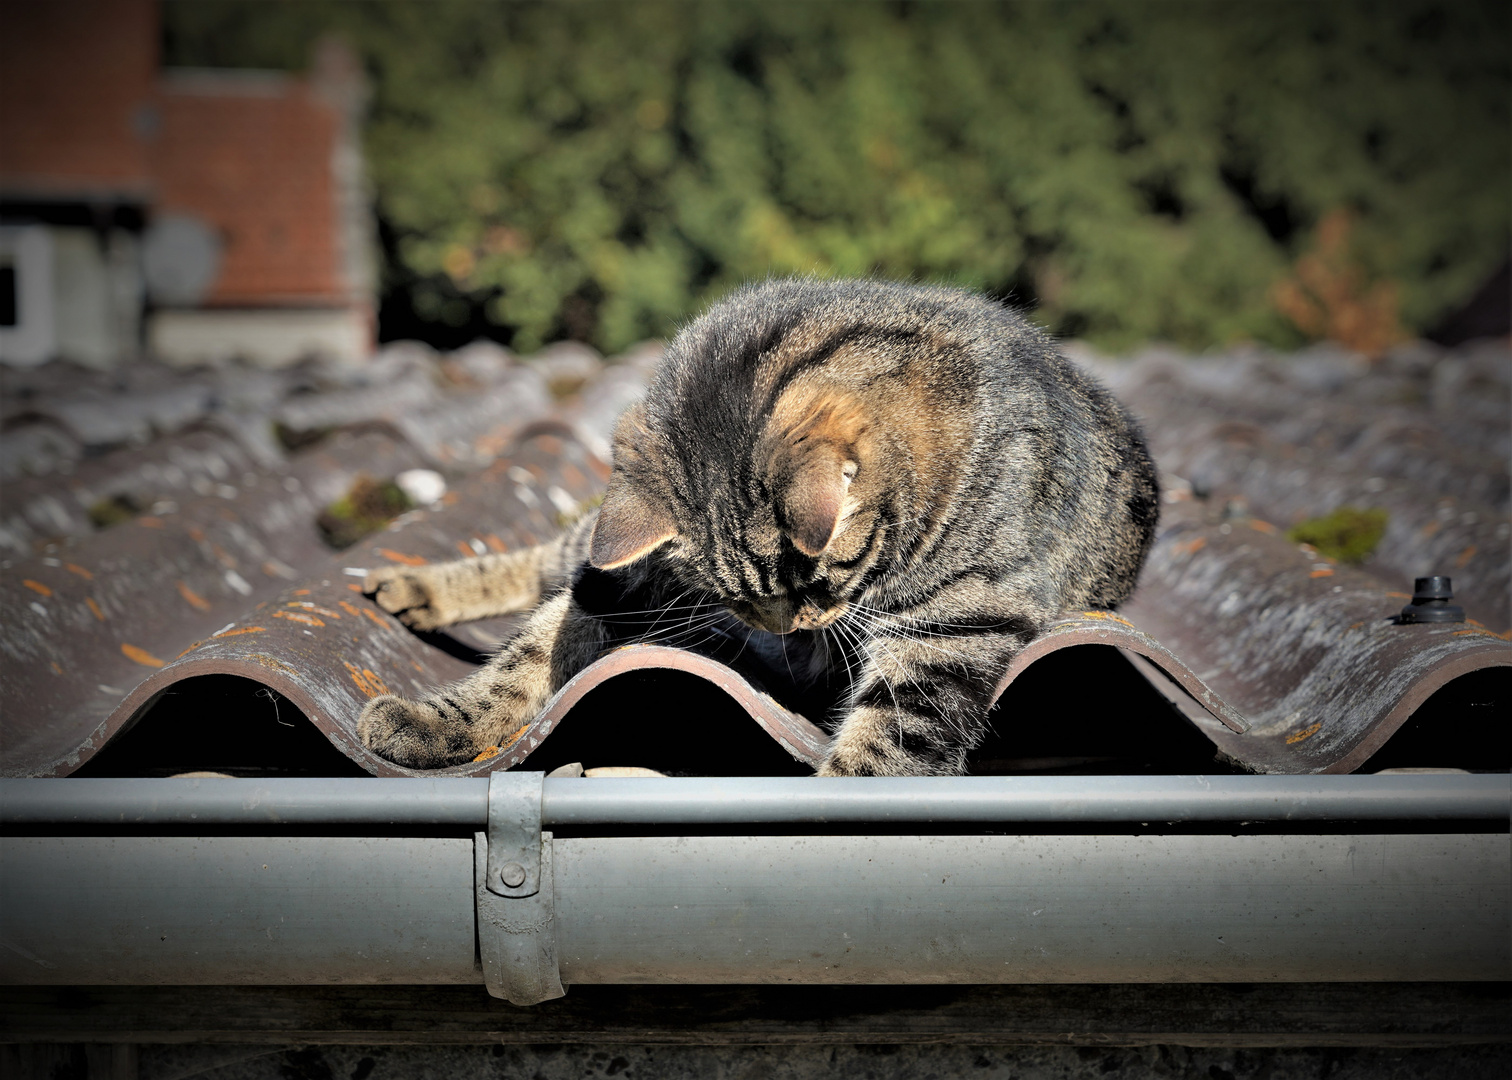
[898,485]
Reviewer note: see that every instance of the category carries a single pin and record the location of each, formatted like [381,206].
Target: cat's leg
[429,597]
[457,722]
[920,703]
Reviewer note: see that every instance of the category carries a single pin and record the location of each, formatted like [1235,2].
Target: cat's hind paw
[405,594]
[410,734]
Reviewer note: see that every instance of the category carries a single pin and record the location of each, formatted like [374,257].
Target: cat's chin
[766,628]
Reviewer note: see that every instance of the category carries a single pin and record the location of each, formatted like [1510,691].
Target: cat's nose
[813,617]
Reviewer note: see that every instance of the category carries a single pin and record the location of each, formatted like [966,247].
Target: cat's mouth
[780,615]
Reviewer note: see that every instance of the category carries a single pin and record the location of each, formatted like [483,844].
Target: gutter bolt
[1430,602]
[512,874]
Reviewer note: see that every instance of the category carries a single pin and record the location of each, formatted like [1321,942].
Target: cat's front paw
[878,742]
[406,594]
[405,733]
[839,764]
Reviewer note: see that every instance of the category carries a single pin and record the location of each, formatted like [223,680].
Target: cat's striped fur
[907,482]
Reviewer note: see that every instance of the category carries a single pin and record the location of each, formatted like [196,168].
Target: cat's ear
[814,501]
[629,527]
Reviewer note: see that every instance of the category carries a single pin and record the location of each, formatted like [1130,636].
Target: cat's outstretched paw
[407,594]
[836,765]
[401,731]
[855,754]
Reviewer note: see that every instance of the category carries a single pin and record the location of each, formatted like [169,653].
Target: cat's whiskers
[881,628]
[668,608]
[921,626]
[845,648]
[879,632]
[673,636]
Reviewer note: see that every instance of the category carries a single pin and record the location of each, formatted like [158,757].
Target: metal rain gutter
[463,801]
[899,900]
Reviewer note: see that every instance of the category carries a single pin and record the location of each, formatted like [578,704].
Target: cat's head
[779,518]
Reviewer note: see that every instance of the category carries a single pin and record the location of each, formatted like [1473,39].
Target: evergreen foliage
[1134,170]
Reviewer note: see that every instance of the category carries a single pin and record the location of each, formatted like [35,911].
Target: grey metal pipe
[458,802]
[1001,799]
[463,802]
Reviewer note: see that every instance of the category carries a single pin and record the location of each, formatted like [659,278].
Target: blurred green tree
[1131,170]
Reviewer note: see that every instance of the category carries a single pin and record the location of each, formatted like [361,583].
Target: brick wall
[251,154]
[76,82]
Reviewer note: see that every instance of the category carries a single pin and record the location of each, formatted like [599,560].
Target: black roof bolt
[1430,602]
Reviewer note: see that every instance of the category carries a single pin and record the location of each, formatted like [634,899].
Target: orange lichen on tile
[356,674]
[377,619]
[226,558]
[1306,733]
[466,549]
[1431,528]
[94,608]
[196,533]
[516,737]
[1191,547]
[299,617]
[368,682]
[193,598]
[1262,526]
[1108,615]
[56,669]
[36,586]
[1464,557]
[486,753]
[272,663]
[141,656]
[307,606]
[355,588]
[241,630]
[189,650]
[1482,632]
[349,607]
[400,557]
[75,568]
[150,522]
[1400,595]
[1326,571]
[494,543]
[301,592]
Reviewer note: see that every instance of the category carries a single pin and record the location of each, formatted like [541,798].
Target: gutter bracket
[515,898]
[514,833]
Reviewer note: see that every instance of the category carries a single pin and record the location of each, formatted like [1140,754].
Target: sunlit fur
[905,483]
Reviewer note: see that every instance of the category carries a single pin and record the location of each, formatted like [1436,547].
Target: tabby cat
[900,485]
